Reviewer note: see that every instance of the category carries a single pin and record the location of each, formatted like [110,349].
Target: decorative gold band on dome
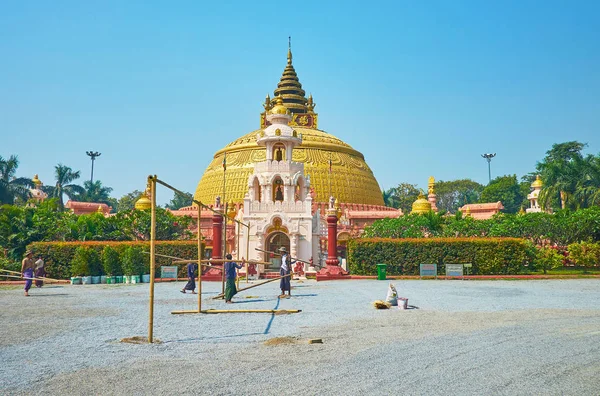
[351,179]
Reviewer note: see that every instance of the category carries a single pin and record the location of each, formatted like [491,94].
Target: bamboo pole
[152,181]
[22,277]
[293,258]
[182,260]
[217,311]
[38,277]
[192,261]
[217,297]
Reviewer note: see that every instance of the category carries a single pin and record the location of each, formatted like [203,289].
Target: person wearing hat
[27,268]
[286,269]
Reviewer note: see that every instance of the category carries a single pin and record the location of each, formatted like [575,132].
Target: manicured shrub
[548,259]
[584,254]
[111,261]
[79,263]
[58,255]
[403,256]
[132,260]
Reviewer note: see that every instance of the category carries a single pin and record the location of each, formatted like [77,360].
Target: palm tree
[12,187]
[587,189]
[564,171]
[64,175]
[95,192]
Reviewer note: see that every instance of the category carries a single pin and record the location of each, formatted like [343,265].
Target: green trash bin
[381,271]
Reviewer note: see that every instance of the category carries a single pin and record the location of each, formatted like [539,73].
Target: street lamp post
[93,155]
[489,157]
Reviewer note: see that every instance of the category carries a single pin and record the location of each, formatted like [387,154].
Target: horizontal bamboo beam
[258,284]
[217,311]
[22,277]
[39,277]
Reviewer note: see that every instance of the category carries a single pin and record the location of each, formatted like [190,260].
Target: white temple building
[278,204]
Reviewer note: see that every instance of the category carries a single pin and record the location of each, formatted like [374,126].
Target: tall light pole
[489,157]
[93,155]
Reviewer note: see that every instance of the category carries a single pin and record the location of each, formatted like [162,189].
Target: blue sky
[420,88]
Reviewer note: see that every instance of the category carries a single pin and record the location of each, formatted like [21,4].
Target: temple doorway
[274,242]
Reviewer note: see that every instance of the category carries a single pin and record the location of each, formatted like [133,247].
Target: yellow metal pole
[199,263]
[152,181]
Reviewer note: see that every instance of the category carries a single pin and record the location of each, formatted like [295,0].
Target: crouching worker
[230,275]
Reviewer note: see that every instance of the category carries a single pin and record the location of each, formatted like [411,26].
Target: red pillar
[332,240]
[214,274]
[332,270]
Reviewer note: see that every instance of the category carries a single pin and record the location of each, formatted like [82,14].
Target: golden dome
[421,205]
[36,181]
[143,203]
[352,180]
[537,183]
[279,107]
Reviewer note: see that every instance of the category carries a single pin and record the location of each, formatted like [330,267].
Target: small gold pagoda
[421,205]
[144,201]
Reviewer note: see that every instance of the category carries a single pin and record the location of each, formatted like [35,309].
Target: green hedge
[403,256]
[58,255]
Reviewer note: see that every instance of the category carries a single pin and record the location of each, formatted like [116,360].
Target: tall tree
[12,187]
[568,176]
[505,189]
[96,192]
[127,201]
[455,193]
[179,201]
[389,198]
[64,175]
[404,196]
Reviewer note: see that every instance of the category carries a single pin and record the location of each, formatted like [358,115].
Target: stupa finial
[289,57]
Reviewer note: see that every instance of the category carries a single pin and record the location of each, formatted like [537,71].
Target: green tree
[402,197]
[388,198]
[64,176]
[96,192]
[505,189]
[179,201]
[127,201]
[455,193]
[110,261]
[571,180]
[12,187]
[548,259]
[133,261]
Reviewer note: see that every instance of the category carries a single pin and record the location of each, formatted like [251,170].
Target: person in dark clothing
[230,268]
[286,269]
[191,285]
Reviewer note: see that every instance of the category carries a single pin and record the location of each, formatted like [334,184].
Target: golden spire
[289,87]
[36,181]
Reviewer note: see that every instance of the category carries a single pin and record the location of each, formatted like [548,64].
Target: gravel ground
[460,337]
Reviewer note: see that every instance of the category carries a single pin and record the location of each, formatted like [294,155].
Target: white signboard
[454,270]
[169,272]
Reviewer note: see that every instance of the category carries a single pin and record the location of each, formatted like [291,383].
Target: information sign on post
[454,270]
[168,272]
[428,270]
[468,267]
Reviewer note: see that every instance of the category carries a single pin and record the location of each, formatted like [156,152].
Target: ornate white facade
[278,204]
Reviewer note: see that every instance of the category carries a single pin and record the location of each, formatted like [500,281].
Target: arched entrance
[274,241]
